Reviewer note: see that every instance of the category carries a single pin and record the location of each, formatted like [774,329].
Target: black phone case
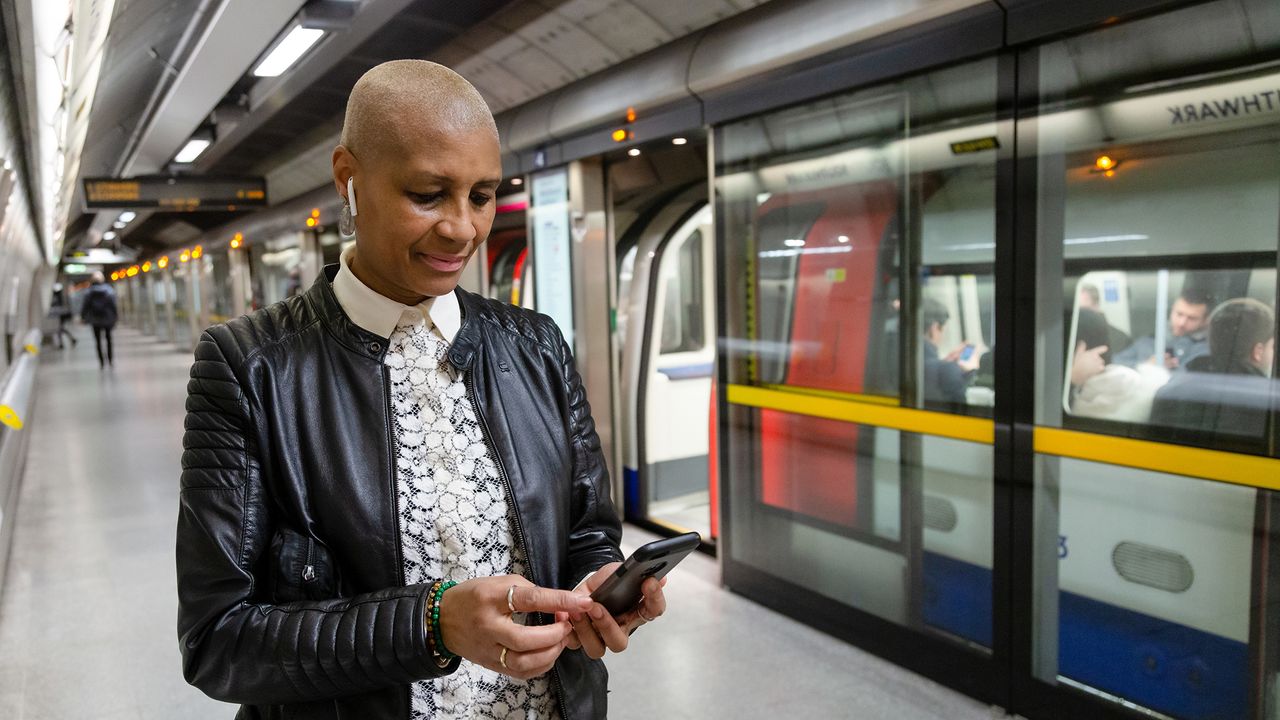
[621,591]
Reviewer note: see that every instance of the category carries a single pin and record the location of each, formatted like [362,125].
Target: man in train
[1187,337]
[945,378]
[1227,391]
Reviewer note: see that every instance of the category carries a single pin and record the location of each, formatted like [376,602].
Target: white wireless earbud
[351,195]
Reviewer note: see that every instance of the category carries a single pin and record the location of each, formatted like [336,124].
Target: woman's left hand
[596,630]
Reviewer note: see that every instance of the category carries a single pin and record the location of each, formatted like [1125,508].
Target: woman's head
[1093,331]
[421,149]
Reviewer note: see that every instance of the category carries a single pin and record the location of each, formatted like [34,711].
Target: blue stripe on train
[1159,664]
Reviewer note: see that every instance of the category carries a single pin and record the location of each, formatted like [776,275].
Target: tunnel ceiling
[512,51]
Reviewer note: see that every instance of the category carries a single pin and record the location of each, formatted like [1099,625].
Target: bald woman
[394,502]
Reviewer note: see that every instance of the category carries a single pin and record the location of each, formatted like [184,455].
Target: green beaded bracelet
[442,651]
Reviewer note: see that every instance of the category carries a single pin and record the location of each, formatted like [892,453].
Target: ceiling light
[191,151]
[634,152]
[842,238]
[517,181]
[678,141]
[109,235]
[118,225]
[295,44]
[127,216]
[793,242]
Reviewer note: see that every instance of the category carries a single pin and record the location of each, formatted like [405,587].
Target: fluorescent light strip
[295,45]
[191,151]
[805,251]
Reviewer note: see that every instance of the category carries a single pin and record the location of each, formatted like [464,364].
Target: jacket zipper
[515,513]
[394,444]
[309,569]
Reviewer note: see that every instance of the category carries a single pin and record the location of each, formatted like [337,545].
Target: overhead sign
[175,194]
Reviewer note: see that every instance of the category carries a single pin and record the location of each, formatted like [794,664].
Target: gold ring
[502,659]
[511,595]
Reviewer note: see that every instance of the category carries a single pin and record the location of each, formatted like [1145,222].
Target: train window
[682,310]
[1159,209]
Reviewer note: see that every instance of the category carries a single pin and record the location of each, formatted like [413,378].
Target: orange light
[237,241]
[163,262]
[631,114]
[1104,162]
[1110,173]
[185,256]
[619,135]
[115,276]
[311,222]
[133,271]
[146,266]
[197,252]
[315,213]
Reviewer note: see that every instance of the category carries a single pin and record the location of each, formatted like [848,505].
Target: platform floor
[87,613]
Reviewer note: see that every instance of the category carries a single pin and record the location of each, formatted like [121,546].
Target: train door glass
[859,240]
[276,269]
[1157,151]
[677,389]
[220,308]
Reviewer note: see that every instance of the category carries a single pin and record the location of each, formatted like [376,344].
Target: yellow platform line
[1251,470]
[834,394]
[924,422]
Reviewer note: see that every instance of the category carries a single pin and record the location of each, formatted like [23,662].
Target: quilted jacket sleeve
[234,647]
[595,530]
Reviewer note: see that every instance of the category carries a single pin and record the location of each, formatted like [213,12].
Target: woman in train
[388,484]
[1101,388]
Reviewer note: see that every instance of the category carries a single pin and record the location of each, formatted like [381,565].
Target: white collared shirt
[379,314]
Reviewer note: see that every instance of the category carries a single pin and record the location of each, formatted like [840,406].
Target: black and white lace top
[455,520]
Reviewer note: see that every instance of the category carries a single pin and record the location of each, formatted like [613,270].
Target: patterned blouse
[454,516]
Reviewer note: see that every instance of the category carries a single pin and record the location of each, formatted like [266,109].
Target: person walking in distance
[99,310]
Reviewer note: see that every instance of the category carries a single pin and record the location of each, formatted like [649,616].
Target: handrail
[15,409]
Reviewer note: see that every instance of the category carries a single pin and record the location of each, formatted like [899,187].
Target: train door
[664,322]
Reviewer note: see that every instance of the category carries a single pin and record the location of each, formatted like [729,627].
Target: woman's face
[422,210]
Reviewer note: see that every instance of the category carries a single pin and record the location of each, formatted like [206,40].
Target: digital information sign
[176,194]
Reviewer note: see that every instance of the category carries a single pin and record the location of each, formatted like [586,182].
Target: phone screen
[967,352]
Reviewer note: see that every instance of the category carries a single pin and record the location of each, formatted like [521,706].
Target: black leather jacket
[291,591]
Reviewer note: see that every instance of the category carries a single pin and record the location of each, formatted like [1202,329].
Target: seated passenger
[1088,298]
[1226,392]
[945,379]
[1103,389]
[1187,337]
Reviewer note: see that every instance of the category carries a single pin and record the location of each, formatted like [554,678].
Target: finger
[614,637]
[590,642]
[526,638]
[532,598]
[525,665]
[655,601]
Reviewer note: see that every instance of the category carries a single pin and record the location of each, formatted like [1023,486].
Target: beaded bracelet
[433,630]
[435,635]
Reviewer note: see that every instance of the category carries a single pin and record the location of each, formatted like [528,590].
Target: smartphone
[966,353]
[620,592]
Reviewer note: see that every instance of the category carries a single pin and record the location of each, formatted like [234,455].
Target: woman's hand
[595,630]
[476,623]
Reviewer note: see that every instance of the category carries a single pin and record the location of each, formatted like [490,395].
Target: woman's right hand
[476,624]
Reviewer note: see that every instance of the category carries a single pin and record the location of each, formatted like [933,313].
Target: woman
[353,451]
[1103,389]
[99,310]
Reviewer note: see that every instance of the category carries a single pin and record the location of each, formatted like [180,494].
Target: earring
[346,223]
